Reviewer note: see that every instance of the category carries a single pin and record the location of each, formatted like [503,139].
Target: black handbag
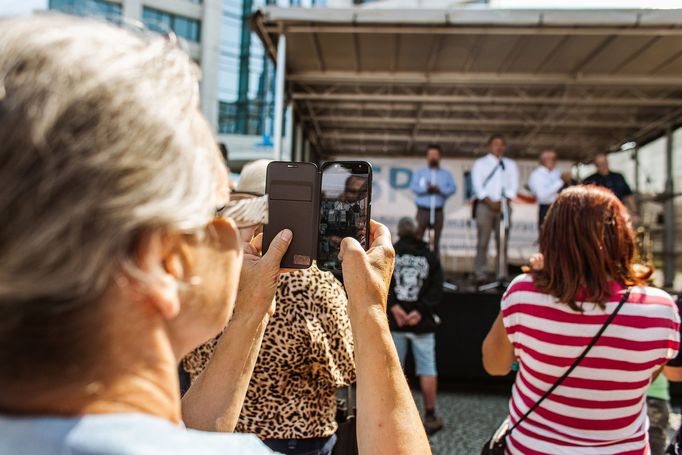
[346,434]
[497,444]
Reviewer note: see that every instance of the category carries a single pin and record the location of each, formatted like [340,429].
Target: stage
[465,320]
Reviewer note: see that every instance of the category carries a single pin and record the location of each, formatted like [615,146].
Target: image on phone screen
[344,209]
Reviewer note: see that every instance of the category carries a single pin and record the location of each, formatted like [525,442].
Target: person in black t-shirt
[613,181]
[416,288]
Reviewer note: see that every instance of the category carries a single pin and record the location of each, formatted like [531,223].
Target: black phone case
[293,195]
[293,191]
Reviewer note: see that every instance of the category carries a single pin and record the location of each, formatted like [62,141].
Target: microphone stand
[432,214]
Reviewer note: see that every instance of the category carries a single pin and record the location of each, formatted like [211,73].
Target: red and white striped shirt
[601,407]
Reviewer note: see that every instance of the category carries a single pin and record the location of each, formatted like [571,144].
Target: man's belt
[419,207]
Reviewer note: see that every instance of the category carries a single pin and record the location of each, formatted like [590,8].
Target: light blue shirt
[117,434]
[421,179]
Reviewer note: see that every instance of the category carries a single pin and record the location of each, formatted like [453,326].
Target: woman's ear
[167,297]
[175,263]
[161,258]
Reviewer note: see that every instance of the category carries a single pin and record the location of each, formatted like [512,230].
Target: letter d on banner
[399,178]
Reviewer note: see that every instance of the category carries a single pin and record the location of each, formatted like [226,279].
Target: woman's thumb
[278,248]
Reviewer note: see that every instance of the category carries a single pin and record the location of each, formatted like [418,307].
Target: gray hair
[100,140]
[407,227]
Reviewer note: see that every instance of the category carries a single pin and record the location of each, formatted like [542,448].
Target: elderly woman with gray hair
[120,252]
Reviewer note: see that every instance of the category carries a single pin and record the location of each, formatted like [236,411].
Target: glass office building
[245,82]
[154,19]
[245,87]
[195,22]
[239,102]
[101,8]
[162,21]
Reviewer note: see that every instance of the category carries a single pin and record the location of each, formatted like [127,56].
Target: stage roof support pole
[298,143]
[279,95]
[306,150]
[288,150]
[635,157]
[669,215]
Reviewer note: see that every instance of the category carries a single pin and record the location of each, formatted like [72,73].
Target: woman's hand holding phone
[260,274]
[367,274]
[383,396]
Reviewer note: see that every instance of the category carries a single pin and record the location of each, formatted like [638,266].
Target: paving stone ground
[469,418]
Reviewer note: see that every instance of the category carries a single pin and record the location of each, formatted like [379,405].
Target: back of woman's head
[587,244]
[100,140]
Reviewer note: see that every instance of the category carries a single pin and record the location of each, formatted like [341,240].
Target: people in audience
[416,289]
[305,356]
[550,315]
[120,253]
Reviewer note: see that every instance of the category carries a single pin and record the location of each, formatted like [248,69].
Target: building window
[101,8]
[259,113]
[163,22]
[187,28]
[156,20]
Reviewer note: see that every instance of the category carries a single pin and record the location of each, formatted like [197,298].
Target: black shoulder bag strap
[575,363]
[490,176]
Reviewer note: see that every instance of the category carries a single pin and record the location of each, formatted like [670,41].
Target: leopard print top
[307,353]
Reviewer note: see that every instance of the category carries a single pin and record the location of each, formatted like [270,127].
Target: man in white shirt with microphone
[495,181]
[546,181]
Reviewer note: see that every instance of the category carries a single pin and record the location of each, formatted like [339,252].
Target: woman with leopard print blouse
[306,355]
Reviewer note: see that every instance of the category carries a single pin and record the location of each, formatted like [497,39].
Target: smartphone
[320,207]
[344,209]
[293,200]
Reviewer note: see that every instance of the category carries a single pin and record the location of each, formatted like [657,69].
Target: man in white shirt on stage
[494,178]
[546,181]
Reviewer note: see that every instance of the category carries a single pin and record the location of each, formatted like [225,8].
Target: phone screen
[344,209]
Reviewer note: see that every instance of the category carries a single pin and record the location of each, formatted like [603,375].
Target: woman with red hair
[587,333]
